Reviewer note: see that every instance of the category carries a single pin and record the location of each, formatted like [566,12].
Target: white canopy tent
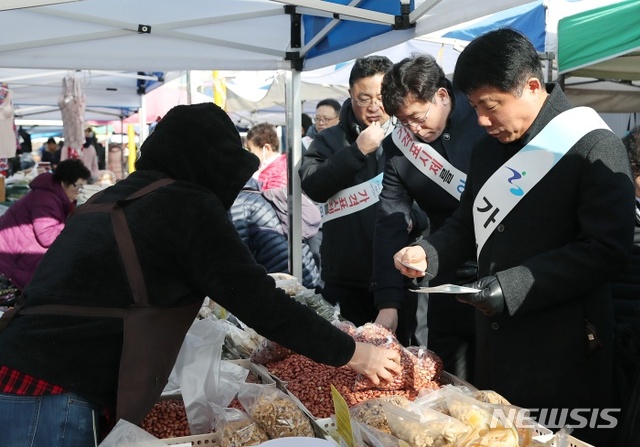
[164,35]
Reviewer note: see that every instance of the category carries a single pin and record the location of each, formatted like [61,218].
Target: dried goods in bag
[274,411]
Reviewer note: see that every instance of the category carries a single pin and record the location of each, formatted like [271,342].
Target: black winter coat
[259,227]
[554,256]
[333,163]
[402,184]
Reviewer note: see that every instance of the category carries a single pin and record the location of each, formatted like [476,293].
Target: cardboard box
[3,193]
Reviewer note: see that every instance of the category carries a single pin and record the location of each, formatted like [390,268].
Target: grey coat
[554,256]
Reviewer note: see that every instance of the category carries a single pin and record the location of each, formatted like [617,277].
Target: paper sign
[343,418]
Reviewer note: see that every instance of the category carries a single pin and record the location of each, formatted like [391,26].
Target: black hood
[199,143]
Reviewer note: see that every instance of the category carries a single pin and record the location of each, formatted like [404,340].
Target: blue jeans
[60,420]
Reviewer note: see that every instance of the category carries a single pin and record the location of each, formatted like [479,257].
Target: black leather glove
[467,272]
[489,300]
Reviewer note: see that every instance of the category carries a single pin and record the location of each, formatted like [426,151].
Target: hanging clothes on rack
[8,139]
[72,103]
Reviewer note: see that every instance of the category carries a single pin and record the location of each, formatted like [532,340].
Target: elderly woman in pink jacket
[31,224]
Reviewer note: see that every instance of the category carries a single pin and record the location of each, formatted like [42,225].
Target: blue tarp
[347,32]
[529,19]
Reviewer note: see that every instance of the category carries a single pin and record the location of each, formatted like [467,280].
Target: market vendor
[107,310]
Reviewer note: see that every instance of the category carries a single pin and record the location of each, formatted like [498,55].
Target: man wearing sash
[548,209]
[427,160]
[343,169]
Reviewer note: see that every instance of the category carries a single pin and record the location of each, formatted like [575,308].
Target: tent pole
[294,155]
[142,114]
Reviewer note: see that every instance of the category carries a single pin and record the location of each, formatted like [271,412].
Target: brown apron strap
[75,311]
[126,245]
[129,256]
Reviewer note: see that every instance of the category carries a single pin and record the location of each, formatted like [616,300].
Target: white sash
[428,161]
[353,199]
[514,179]
[306,142]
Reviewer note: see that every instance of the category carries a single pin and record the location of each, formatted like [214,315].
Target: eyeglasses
[367,102]
[417,122]
[324,119]
[78,187]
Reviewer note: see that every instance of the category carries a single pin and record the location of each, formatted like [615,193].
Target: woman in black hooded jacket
[109,305]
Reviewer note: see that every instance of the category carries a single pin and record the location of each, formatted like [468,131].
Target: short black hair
[306,122]
[368,66]
[333,103]
[51,140]
[502,59]
[418,75]
[70,170]
[632,143]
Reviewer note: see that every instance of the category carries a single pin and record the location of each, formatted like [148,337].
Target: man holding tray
[548,211]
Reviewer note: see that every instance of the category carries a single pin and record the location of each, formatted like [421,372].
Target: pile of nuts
[167,419]
[311,382]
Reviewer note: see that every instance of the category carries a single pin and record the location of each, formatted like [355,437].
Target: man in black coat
[437,134]
[548,209]
[343,167]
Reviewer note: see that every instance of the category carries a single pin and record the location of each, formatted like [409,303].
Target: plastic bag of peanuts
[234,428]
[420,367]
[275,412]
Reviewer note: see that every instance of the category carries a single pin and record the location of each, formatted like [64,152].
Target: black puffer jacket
[259,227]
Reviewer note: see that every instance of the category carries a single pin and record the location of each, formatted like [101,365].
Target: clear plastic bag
[371,412]
[420,366]
[200,376]
[275,412]
[491,424]
[423,427]
[234,428]
[126,434]
[269,351]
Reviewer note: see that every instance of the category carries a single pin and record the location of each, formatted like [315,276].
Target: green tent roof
[601,43]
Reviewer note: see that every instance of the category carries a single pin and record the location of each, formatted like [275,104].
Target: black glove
[489,300]
[467,272]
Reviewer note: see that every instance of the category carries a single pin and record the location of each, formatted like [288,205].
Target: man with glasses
[327,115]
[343,169]
[427,160]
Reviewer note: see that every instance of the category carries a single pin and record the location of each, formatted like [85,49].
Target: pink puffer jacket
[30,226]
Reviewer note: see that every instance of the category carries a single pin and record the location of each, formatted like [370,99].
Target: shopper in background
[343,166]
[51,153]
[262,141]
[127,277]
[548,209]
[30,225]
[260,227]
[327,115]
[307,123]
[90,137]
[438,130]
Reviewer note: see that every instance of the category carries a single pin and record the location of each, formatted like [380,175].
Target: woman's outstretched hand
[375,362]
